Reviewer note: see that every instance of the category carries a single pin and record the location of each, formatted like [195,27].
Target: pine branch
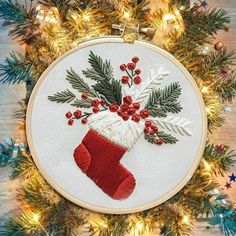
[78,83]
[82,103]
[17,69]
[216,19]
[222,162]
[111,90]
[162,101]
[63,6]
[65,96]
[214,62]
[22,21]
[101,70]
[166,138]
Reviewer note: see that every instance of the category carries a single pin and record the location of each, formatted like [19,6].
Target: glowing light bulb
[126,15]
[185,219]
[168,17]
[139,226]
[35,218]
[86,17]
[208,110]
[207,166]
[204,89]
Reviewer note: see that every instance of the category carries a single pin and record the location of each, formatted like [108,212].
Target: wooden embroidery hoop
[114,39]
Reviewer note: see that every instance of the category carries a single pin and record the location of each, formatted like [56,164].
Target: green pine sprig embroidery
[164,100]
[111,90]
[101,69]
[82,103]
[166,138]
[78,83]
[62,97]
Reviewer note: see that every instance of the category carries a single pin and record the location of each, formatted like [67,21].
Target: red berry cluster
[129,108]
[78,113]
[152,129]
[133,73]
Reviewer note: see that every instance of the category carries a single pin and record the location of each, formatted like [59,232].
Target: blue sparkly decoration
[9,152]
[224,215]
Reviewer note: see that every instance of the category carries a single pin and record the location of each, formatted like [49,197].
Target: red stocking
[99,159]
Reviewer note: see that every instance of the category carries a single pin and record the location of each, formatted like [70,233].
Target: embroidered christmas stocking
[101,150]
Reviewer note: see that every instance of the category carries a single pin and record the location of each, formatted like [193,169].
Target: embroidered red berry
[136,105]
[119,113]
[96,109]
[125,116]
[146,130]
[84,121]
[154,127]
[124,107]
[95,102]
[78,113]
[137,80]
[102,102]
[123,67]
[135,59]
[144,113]
[113,107]
[137,71]
[84,96]
[148,123]
[152,132]
[70,122]
[131,65]
[128,100]
[159,141]
[68,115]
[131,111]
[125,79]
[136,118]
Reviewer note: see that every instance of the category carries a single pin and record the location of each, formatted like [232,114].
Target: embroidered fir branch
[111,90]
[164,100]
[62,97]
[166,138]
[78,83]
[82,103]
[101,69]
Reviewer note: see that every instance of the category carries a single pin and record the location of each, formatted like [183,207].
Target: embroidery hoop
[182,183]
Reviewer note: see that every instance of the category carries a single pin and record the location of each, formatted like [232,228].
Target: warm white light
[185,219]
[126,15]
[35,217]
[139,225]
[208,110]
[204,89]
[168,17]
[86,17]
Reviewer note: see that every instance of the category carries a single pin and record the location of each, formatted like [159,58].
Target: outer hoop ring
[113,39]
